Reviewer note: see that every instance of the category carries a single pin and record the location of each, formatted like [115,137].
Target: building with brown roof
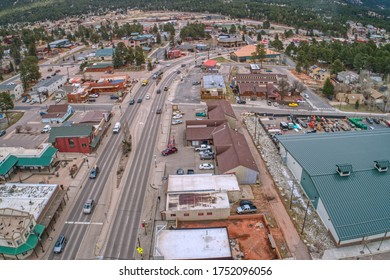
[221,110]
[234,155]
[57,113]
[246,54]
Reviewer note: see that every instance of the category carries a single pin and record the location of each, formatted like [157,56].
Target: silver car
[88,206]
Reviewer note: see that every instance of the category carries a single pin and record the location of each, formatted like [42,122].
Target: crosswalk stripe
[82,223]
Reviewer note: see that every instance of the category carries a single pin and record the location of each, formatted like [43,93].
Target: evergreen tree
[6,104]
[357,104]
[29,71]
[232,29]
[158,38]
[337,66]
[139,56]
[328,89]
[259,38]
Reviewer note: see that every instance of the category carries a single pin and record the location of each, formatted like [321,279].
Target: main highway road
[121,241]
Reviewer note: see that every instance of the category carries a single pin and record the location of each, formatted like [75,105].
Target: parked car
[24,99]
[114,97]
[165,88]
[196,83]
[190,171]
[91,100]
[132,101]
[46,129]
[207,157]
[240,101]
[175,117]
[60,244]
[376,121]
[94,172]
[206,152]
[183,65]
[202,147]
[88,206]
[94,95]
[200,114]
[169,151]
[293,105]
[177,122]
[246,209]
[178,72]
[370,120]
[2,132]
[246,202]
[206,166]
[180,171]
[32,102]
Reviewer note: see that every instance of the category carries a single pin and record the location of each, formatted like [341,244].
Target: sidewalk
[295,245]
[368,251]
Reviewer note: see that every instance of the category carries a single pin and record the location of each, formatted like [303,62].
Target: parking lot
[185,158]
[298,124]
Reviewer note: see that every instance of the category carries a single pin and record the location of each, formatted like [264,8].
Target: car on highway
[147,97]
[139,100]
[165,88]
[158,91]
[94,172]
[174,122]
[306,96]
[158,111]
[206,166]
[2,132]
[60,244]
[132,101]
[88,206]
[169,151]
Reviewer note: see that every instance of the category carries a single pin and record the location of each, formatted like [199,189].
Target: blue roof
[104,52]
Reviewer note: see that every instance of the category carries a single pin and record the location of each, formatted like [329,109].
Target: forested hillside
[325,15]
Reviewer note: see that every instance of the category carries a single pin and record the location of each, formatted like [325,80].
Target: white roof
[198,182]
[31,198]
[185,244]
[20,151]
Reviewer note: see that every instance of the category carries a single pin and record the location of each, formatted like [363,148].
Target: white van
[46,129]
[117,127]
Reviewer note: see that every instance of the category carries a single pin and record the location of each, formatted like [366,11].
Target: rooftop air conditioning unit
[382,165]
[344,169]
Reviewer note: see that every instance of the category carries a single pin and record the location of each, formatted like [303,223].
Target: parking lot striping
[83,223]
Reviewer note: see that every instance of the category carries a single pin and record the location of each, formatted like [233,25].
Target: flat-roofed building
[200,197]
[213,87]
[192,244]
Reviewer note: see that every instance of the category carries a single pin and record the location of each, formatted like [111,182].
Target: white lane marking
[82,223]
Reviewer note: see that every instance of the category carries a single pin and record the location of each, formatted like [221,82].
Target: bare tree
[28,129]
[284,87]
[18,128]
[297,87]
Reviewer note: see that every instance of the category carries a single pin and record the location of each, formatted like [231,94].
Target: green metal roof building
[43,159]
[347,177]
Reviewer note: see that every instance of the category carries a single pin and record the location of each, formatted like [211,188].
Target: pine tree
[328,89]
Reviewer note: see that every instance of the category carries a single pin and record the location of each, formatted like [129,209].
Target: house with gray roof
[45,88]
[14,90]
[104,54]
[346,176]
[213,87]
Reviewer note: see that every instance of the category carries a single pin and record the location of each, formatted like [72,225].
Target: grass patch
[14,117]
[362,108]
[220,59]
